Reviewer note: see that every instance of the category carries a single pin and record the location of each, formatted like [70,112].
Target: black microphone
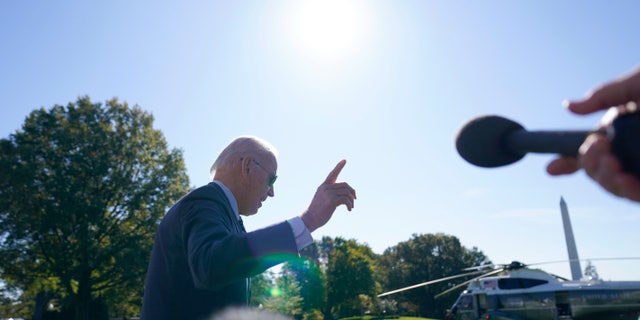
[493,141]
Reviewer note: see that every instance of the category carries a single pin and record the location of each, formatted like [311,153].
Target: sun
[328,30]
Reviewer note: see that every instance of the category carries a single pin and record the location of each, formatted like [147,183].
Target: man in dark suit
[202,256]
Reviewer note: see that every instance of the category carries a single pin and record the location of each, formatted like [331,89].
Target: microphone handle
[560,142]
[624,134]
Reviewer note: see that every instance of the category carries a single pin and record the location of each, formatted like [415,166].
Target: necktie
[241,225]
[247,280]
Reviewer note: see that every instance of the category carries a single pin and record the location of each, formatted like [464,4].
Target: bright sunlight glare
[328,30]
[275,292]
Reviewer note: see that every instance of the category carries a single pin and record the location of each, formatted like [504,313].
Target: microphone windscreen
[481,141]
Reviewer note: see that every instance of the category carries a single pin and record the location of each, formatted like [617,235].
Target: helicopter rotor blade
[428,283]
[592,259]
[580,260]
[490,273]
[482,267]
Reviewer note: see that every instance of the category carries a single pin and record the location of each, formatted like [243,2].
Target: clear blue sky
[383,84]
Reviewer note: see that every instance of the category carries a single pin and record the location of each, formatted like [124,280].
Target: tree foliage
[82,189]
[350,278]
[285,296]
[261,288]
[425,258]
[306,273]
[342,278]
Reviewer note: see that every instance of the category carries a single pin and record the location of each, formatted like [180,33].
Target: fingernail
[565,103]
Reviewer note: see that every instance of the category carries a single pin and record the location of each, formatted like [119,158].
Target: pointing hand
[329,195]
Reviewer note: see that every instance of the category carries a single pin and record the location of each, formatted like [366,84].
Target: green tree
[308,276]
[420,259]
[350,278]
[262,285]
[285,296]
[321,250]
[82,189]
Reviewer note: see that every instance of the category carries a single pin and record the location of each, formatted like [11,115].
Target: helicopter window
[519,283]
[465,302]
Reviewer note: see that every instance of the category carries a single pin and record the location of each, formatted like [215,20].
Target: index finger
[333,175]
[614,93]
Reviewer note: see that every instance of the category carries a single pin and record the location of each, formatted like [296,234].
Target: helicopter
[516,291]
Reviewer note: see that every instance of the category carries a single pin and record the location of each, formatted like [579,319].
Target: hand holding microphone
[493,141]
[610,154]
[604,160]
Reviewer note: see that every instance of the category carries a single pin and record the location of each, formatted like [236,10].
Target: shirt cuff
[300,232]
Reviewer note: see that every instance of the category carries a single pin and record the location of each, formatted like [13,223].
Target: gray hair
[240,147]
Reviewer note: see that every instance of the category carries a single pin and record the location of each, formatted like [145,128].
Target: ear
[244,166]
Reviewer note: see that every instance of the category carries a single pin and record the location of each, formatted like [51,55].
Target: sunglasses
[272,177]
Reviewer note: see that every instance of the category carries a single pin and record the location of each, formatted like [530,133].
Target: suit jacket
[202,257]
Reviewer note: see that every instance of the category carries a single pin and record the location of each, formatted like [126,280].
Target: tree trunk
[84,296]
[42,301]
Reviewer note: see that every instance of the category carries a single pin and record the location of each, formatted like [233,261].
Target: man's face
[260,178]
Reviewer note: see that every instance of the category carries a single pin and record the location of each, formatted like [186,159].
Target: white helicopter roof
[535,280]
